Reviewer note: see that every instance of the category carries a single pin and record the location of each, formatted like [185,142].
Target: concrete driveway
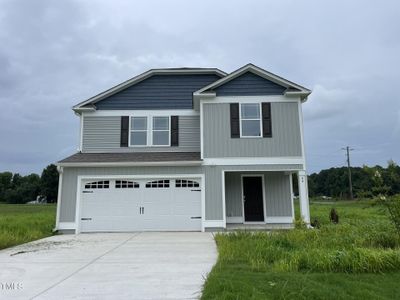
[149,265]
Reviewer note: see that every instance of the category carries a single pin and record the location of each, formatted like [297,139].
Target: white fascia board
[142,77]
[256,70]
[129,164]
[303,95]
[80,110]
[251,99]
[204,95]
[158,112]
[253,161]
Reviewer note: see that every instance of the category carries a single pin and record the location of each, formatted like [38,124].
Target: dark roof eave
[132,158]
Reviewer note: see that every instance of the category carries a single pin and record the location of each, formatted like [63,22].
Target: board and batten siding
[285,140]
[278,201]
[158,92]
[213,183]
[214,186]
[101,134]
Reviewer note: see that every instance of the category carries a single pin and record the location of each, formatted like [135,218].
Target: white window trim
[163,130]
[142,130]
[241,119]
[149,131]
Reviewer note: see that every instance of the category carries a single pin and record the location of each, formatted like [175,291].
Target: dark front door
[253,199]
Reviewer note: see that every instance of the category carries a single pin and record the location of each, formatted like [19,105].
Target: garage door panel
[136,205]
[178,223]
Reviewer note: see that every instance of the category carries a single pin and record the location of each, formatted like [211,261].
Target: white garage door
[141,205]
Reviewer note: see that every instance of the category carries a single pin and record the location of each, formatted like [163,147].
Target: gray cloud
[54,54]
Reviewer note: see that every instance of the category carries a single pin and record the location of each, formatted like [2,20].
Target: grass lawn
[357,259]
[22,223]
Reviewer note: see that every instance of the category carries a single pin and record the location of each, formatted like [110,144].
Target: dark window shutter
[235,125]
[124,131]
[174,131]
[266,119]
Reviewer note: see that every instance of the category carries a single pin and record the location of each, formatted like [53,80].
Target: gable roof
[291,87]
[89,103]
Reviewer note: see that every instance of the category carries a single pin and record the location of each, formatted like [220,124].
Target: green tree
[23,189]
[49,183]
[5,183]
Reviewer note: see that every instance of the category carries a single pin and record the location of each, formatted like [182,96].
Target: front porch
[257,227]
[263,200]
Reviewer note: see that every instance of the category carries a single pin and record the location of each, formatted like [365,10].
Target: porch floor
[257,227]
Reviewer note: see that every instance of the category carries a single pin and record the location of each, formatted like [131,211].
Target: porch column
[303,196]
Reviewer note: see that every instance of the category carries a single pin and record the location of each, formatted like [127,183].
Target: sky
[54,54]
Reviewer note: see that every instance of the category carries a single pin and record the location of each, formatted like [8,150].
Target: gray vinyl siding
[249,84]
[278,202]
[101,134]
[213,183]
[158,92]
[285,140]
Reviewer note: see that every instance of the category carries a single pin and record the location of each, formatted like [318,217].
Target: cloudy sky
[54,54]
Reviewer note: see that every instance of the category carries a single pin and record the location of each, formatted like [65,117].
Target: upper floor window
[250,120]
[161,131]
[150,131]
[138,131]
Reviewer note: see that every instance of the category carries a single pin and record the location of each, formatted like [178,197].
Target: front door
[253,199]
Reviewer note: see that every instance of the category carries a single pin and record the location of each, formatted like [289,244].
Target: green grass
[22,223]
[359,258]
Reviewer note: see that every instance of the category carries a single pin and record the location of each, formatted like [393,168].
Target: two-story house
[187,149]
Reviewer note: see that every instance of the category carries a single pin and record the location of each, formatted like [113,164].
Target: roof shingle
[131,157]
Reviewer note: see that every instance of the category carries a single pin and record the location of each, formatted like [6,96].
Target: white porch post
[303,196]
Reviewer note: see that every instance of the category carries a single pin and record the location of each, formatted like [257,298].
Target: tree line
[368,182]
[17,189]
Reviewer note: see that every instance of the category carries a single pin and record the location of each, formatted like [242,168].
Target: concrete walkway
[149,265]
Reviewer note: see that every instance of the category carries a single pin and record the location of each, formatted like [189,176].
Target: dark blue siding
[249,84]
[159,92]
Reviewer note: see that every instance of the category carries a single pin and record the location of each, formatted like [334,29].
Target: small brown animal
[333,216]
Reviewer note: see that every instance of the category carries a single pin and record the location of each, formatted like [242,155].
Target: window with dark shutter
[266,119]
[124,131]
[235,122]
[174,131]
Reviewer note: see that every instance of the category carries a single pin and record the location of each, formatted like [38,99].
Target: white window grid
[250,119]
[125,184]
[183,183]
[149,131]
[161,130]
[104,184]
[158,184]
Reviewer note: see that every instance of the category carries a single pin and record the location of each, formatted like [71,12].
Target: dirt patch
[43,246]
